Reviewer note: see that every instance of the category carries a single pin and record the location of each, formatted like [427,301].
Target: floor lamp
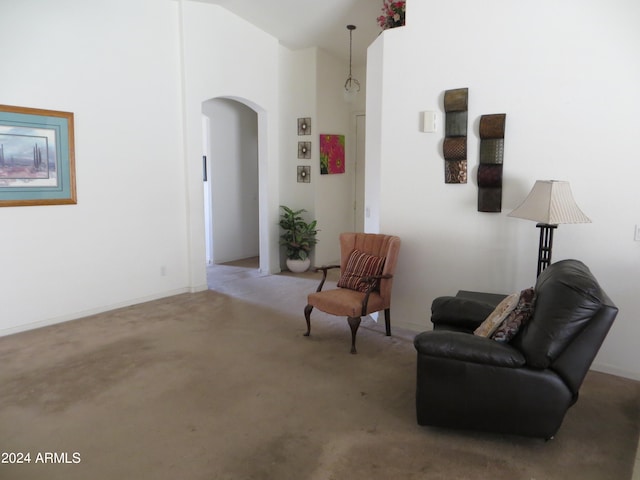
[549,203]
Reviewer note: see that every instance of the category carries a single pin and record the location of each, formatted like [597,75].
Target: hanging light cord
[350,79]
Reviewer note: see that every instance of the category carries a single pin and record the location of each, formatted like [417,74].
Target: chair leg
[387,321]
[354,323]
[307,316]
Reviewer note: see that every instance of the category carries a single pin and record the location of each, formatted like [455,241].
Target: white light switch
[636,235]
[429,122]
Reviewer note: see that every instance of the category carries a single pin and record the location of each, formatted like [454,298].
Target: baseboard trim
[414,327]
[94,311]
[199,288]
[618,372]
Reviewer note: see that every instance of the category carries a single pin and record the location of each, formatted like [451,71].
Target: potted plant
[298,237]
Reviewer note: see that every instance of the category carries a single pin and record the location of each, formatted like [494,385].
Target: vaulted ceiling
[307,23]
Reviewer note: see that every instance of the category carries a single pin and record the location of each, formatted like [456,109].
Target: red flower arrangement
[393,14]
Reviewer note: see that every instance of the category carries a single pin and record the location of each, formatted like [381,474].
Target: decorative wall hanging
[331,154]
[304,149]
[454,147]
[304,174]
[37,165]
[491,161]
[304,126]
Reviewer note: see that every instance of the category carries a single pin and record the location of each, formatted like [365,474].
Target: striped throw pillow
[360,265]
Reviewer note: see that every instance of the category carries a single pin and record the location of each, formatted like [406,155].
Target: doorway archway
[233,181]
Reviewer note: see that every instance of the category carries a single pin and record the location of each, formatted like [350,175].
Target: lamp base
[546,243]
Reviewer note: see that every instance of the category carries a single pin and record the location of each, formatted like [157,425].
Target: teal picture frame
[37,157]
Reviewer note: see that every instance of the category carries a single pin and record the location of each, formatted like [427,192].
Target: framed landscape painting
[37,164]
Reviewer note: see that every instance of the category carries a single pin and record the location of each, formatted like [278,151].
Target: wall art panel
[454,148]
[304,126]
[332,154]
[491,162]
[304,149]
[304,174]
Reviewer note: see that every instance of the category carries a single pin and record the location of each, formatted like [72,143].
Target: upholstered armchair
[367,266]
[523,385]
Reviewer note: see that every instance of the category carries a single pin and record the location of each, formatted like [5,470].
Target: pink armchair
[367,265]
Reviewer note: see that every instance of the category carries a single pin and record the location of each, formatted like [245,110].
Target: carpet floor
[222,385]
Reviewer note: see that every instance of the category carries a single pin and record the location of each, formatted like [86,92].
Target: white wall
[297,100]
[225,56]
[566,75]
[136,81]
[114,65]
[373,141]
[311,86]
[333,192]
[233,179]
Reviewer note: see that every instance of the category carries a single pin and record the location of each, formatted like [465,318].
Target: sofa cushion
[459,313]
[358,266]
[495,318]
[567,297]
[517,318]
[467,348]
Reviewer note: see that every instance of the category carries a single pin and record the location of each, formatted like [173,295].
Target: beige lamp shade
[550,202]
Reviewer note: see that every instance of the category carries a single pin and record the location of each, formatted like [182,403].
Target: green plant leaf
[297,236]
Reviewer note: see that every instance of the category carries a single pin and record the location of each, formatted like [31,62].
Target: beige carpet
[222,385]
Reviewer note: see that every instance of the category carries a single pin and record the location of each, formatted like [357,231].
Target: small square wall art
[332,156]
[304,126]
[304,174]
[304,149]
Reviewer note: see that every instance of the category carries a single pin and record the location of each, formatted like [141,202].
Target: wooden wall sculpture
[491,161]
[454,147]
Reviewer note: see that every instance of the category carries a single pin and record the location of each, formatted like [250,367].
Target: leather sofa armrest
[462,313]
[468,348]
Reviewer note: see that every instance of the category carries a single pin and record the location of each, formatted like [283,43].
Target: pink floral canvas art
[331,154]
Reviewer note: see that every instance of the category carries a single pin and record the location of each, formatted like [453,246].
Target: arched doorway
[231,178]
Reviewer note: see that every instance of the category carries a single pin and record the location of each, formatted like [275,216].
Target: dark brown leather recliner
[523,387]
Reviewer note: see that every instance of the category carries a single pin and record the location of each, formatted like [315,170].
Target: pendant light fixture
[351,86]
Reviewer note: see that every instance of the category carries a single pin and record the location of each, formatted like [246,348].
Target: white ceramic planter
[298,266]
